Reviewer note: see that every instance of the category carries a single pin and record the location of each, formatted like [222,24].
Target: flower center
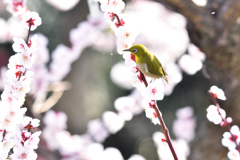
[154,91]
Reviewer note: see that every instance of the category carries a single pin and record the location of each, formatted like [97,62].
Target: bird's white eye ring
[134,50]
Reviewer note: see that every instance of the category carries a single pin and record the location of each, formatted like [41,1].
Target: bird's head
[137,49]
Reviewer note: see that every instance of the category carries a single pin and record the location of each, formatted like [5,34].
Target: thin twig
[214,100]
[164,127]
[29,30]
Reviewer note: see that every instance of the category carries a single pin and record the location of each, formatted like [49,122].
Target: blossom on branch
[231,138]
[217,93]
[233,154]
[31,19]
[115,6]
[213,114]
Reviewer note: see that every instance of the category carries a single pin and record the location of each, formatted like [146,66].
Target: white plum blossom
[51,117]
[16,7]
[129,106]
[97,149]
[181,147]
[129,60]
[189,64]
[185,124]
[124,106]
[115,6]
[10,117]
[31,19]
[10,29]
[63,5]
[126,33]
[213,114]
[233,154]
[83,35]
[52,129]
[16,135]
[19,45]
[23,153]
[120,75]
[134,79]
[31,122]
[112,121]
[228,140]
[154,91]
[111,153]
[122,45]
[5,145]
[33,140]
[218,93]
[150,111]
[136,157]
[201,3]
[174,77]
[97,130]
[196,52]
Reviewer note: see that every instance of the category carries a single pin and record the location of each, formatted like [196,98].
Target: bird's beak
[127,50]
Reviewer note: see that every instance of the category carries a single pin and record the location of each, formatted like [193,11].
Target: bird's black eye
[134,50]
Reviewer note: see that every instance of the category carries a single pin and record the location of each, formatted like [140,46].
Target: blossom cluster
[84,146]
[158,38]
[80,38]
[16,130]
[217,115]
[126,34]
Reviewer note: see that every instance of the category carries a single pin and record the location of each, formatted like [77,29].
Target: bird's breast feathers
[144,69]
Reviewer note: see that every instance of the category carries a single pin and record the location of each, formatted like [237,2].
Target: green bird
[147,62]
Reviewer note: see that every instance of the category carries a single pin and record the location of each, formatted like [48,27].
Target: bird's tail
[166,79]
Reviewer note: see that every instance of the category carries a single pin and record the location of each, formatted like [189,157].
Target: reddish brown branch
[164,128]
[29,30]
[224,119]
[143,78]
[165,131]
[118,19]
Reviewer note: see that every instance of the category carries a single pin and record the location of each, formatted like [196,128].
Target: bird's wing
[156,70]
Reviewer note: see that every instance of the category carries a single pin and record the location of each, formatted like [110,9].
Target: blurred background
[96,76]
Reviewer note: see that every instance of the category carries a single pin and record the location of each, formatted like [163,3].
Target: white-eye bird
[147,62]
